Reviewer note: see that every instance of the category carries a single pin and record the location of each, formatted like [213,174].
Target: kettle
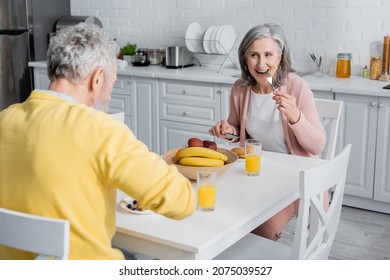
[141,58]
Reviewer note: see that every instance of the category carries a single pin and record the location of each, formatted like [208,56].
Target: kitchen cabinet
[120,98]
[137,97]
[365,123]
[323,94]
[187,109]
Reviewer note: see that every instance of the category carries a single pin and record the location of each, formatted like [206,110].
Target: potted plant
[129,51]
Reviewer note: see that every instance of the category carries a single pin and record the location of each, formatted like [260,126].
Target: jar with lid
[343,68]
[375,68]
[154,56]
[163,57]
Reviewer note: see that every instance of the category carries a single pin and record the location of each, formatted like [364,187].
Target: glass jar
[343,68]
[163,57]
[375,68]
[154,56]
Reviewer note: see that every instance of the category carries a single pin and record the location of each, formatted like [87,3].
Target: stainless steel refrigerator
[25,26]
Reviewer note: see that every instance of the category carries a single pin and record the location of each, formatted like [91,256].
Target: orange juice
[252,164]
[207,196]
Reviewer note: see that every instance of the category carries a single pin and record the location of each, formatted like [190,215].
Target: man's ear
[97,79]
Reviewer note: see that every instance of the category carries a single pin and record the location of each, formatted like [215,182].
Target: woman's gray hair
[275,32]
[75,52]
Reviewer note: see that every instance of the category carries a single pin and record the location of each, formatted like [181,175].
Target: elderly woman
[282,114]
[62,158]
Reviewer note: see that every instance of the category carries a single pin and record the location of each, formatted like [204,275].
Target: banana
[201,152]
[201,161]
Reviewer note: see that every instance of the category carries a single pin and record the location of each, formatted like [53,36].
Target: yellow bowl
[190,171]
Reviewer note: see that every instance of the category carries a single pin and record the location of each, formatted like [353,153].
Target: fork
[269,79]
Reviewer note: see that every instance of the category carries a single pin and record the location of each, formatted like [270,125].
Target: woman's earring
[246,67]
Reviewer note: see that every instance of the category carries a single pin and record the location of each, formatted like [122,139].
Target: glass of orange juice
[253,149]
[207,191]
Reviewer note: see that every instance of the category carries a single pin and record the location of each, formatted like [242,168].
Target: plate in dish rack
[125,202]
[194,37]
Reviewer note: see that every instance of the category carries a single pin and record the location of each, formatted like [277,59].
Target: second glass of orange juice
[207,191]
[253,149]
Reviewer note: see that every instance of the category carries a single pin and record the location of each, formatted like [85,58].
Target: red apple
[195,142]
[210,144]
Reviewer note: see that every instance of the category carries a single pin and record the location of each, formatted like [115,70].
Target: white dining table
[243,203]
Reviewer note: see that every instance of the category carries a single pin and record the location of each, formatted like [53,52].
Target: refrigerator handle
[14,32]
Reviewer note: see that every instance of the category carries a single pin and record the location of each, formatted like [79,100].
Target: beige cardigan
[307,137]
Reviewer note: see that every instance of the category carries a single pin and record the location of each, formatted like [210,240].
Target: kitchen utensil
[318,63]
[206,190]
[194,38]
[253,149]
[231,136]
[178,57]
[385,59]
[343,68]
[269,79]
[226,39]
[141,58]
[155,56]
[127,202]
[207,40]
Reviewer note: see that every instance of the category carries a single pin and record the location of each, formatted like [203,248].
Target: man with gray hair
[62,158]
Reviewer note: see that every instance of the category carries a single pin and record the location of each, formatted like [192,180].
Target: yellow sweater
[65,160]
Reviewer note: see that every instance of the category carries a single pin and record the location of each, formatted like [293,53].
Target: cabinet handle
[186,113]
[373,103]
[186,91]
[220,91]
[129,82]
[381,105]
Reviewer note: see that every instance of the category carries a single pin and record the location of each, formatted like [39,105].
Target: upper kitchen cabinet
[365,123]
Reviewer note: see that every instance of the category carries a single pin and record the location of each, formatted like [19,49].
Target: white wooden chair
[329,112]
[315,228]
[48,237]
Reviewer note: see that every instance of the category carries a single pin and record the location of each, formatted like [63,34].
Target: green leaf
[129,49]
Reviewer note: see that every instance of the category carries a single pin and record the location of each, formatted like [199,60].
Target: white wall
[324,27]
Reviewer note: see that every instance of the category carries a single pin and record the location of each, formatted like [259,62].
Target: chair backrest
[329,112]
[316,228]
[48,237]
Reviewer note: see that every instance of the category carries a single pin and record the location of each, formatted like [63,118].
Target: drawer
[191,91]
[176,134]
[120,103]
[189,112]
[120,85]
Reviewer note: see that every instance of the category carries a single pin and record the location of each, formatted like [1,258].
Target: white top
[264,122]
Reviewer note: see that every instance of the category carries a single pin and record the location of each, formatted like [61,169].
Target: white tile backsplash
[322,27]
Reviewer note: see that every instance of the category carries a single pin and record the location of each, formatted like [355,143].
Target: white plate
[214,41]
[227,38]
[207,39]
[125,201]
[194,37]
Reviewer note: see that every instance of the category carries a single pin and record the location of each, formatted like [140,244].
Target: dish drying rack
[224,54]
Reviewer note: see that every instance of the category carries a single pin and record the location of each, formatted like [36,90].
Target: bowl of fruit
[200,155]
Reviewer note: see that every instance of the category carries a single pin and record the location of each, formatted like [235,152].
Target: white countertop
[195,73]
[353,85]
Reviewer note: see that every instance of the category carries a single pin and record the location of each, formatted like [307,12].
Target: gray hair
[76,51]
[275,32]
